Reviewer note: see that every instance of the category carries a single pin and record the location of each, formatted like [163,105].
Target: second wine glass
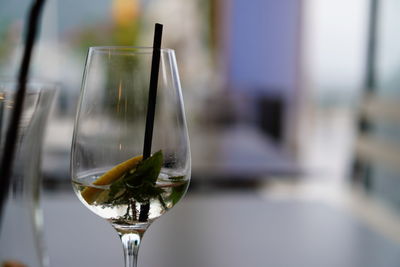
[109,174]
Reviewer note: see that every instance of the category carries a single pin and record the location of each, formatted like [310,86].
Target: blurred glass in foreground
[21,238]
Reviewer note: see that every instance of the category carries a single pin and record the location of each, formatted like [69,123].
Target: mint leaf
[147,170]
[138,183]
[116,187]
[177,193]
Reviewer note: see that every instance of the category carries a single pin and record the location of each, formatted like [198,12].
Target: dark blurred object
[271,116]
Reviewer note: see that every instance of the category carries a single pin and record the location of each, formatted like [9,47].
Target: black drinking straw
[12,131]
[151,106]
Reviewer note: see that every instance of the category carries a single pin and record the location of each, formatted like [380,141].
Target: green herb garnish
[138,183]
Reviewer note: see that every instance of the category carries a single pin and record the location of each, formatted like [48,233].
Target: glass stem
[131,243]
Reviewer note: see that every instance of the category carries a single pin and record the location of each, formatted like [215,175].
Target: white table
[222,230]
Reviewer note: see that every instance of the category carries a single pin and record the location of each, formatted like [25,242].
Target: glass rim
[133,49]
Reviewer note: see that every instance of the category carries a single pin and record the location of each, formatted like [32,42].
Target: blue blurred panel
[264,44]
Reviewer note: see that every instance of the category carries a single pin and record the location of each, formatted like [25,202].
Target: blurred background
[294,121]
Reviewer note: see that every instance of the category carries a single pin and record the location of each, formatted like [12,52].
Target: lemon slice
[90,194]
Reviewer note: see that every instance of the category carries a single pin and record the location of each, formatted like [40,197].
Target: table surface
[224,229]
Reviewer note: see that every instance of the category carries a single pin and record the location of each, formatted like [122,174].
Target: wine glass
[109,174]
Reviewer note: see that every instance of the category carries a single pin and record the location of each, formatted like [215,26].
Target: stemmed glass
[109,174]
